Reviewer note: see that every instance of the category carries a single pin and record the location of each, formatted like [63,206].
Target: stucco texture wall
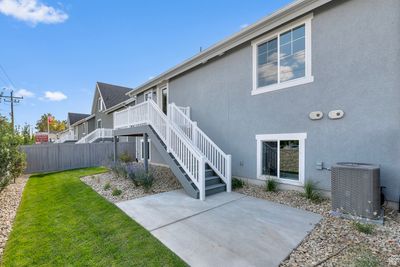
[355,64]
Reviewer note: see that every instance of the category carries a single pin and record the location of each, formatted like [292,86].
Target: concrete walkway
[228,229]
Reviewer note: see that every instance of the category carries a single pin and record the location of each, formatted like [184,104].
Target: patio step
[212,180]
[214,189]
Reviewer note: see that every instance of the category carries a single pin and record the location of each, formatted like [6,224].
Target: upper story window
[148,95]
[100,104]
[283,58]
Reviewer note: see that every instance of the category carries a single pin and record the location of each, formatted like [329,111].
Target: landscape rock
[10,198]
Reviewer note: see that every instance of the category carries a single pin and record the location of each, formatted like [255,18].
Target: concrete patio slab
[170,207]
[228,229]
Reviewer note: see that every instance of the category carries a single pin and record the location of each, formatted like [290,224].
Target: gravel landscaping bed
[336,241]
[10,198]
[164,181]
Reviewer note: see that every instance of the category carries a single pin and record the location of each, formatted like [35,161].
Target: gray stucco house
[315,83]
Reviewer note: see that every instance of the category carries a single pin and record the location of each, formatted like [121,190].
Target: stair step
[212,180]
[209,172]
[216,188]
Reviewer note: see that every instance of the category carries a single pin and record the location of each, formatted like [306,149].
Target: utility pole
[11,99]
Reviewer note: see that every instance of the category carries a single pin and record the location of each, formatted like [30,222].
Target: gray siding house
[107,99]
[315,83]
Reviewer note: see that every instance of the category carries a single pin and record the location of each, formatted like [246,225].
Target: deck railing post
[146,153]
[228,173]
[202,178]
[194,133]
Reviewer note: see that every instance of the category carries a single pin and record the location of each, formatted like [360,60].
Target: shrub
[116,192]
[310,192]
[366,260]
[125,157]
[119,169]
[12,160]
[271,185]
[237,183]
[144,179]
[364,227]
[107,186]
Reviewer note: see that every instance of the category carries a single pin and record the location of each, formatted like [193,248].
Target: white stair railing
[220,162]
[190,159]
[100,133]
[66,136]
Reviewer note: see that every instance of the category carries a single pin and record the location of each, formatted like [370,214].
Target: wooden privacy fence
[59,157]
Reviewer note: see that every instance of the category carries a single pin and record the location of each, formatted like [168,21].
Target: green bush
[364,227]
[12,160]
[271,185]
[107,186]
[237,183]
[311,193]
[144,179]
[125,157]
[116,192]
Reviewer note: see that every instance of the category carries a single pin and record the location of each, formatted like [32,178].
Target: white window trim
[148,93]
[308,78]
[100,104]
[282,137]
[161,89]
[97,126]
[141,152]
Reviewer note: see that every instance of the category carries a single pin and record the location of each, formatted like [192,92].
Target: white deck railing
[185,110]
[100,133]
[66,136]
[219,161]
[190,159]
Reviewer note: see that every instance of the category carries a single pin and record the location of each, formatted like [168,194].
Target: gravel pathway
[164,181]
[10,198]
[335,241]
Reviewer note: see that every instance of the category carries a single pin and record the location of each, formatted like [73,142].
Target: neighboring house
[315,82]
[98,125]
[71,134]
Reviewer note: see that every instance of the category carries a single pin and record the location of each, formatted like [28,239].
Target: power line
[8,77]
[11,99]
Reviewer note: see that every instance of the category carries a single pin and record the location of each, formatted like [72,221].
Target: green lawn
[63,222]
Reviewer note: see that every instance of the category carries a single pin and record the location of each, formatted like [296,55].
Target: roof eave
[121,104]
[276,19]
[83,120]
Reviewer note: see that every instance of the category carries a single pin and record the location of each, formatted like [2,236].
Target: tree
[55,125]
[25,133]
[12,160]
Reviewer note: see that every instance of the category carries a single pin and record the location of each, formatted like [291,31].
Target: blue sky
[56,50]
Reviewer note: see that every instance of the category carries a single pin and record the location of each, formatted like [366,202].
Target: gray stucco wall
[355,64]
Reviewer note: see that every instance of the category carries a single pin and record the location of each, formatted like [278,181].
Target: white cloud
[24,93]
[244,26]
[32,11]
[54,96]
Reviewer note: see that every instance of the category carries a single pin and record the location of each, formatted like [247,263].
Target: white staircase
[67,136]
[96,135]
[192,149]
